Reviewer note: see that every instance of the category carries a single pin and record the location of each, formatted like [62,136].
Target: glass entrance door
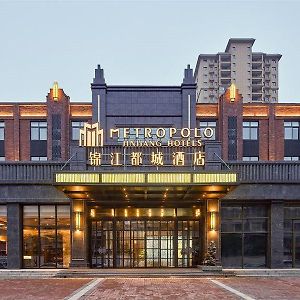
[138,243]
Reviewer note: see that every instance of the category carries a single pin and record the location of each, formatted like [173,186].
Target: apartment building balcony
[225,82]
[225,67]
[225,58]
[256,66]
[257,96]
[256,73]
[225,73]
[257,81]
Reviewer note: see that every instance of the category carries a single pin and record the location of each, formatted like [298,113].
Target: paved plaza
[152,288]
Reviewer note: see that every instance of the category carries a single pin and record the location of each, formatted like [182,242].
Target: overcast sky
[136,42]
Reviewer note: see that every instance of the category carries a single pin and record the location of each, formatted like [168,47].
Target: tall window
[46,236]
[292,236]
[76,126]
[244,236]
[38,131]
[2,126]
[2,136]
[250,130]
[211,124]
[38,136]
[291,130]
[3,235]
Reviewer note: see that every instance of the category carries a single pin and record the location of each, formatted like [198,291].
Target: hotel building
[145,176]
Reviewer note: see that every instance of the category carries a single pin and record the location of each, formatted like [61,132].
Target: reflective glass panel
[30,247]
[255,250]
[231,247]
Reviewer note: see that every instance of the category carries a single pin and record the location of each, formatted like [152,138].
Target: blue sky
[136,42]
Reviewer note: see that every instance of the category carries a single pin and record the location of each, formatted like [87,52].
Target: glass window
[231,250]
[76,126]
[38,131]
[291,130]
[255,249]
[3,237]
[250,130]
[205,124]
[2,128]
[46,236]
[47,216]
[38,158]
[250,158]
[291,242]
[246,226]
[291,158]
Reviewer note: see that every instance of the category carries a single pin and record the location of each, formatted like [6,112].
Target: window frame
[253,130]
[293,127]
[36,128]
[2,130]
[76,128]
[208,123]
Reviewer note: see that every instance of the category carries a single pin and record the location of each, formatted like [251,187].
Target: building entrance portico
[142,220]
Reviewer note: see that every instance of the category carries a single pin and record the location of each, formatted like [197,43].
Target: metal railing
[266,172]
[248,172]
[28,172]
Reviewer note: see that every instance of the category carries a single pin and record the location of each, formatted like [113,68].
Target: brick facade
[17,118]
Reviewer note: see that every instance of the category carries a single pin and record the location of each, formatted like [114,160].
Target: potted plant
[210,261]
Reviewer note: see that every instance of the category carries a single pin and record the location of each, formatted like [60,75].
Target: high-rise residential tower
[254,73]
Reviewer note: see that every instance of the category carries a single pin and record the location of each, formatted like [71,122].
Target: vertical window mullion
[39,237]
[56,253]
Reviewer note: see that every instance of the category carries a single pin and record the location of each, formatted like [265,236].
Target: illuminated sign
[154,139]
[91,135]
[204,178]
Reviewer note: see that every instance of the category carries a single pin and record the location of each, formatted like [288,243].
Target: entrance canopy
[145,189]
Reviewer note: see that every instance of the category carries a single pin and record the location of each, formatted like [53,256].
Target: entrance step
[139,273]
[264,272]
[28,273]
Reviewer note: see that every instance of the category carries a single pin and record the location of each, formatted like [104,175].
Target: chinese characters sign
[157,147]
[138,159]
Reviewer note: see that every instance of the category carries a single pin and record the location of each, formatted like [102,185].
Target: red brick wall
[9,140]
[61,107]
[231,109]
[263,139]
[24,139]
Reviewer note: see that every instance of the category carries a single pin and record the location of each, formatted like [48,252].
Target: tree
[210,256]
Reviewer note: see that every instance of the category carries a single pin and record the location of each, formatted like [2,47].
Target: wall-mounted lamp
[78,220]
[93,213]
[232,92]
[213,220]
[197,213]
